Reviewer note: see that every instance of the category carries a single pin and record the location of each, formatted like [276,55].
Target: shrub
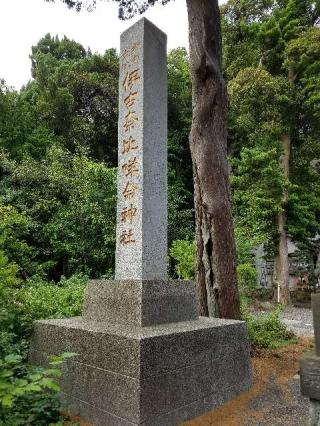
[267,330]
[183,252]
[28,395]
[38,299]
[23,303]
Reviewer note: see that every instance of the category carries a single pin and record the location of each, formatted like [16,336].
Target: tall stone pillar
[145,357]
[141,251]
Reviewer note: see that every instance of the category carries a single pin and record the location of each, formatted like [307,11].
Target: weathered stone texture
[314,418]
[146,258]
[140,302]
[310,376]
[150,375]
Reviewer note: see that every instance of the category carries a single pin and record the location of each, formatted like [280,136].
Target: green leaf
[13,358]
[32,387]
[50,384]
[53,372]
[7,401]
[6,373]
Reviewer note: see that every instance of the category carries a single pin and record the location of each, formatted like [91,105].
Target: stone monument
[310,368]
[145,357]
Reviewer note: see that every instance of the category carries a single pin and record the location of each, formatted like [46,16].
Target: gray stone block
[156,375]
[310,376]
[315,299]
[141,242]
[97,416]
[140,302]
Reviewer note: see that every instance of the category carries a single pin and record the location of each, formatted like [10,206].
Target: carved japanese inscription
[142,156]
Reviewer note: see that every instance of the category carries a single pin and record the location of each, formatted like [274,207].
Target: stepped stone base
[156,375]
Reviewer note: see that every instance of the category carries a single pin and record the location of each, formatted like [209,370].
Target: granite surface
[155,375]
[140,302]
[310,376]
[141,245]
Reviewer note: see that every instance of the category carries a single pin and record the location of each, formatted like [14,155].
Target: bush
[28,395]
[267,330]
[37,299]
[183,252]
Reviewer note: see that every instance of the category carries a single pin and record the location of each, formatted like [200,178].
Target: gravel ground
[280,405]
[299,321]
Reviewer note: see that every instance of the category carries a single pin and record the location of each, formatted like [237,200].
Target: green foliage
[180,196]
[28,394]
[57,202]
[183,252]
[180,213]
[241,21]
[271,61]
[75,95]
[258,103]
[14,229]
[267,330]
[247,276]
[37,299]
[69,201]
[288,21]
[8,273]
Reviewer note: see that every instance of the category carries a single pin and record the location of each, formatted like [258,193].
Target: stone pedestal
[160,374]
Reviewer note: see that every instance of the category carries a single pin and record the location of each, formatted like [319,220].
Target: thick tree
[215,246]
[216,257]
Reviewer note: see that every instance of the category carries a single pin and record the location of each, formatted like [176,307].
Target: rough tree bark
[215,245]
[281,260]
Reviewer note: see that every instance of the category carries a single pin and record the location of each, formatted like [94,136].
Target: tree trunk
[215,245]
[281,261]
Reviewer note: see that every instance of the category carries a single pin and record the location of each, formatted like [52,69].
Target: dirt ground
[274,399]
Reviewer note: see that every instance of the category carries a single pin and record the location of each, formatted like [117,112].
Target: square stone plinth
[157,375]
[140,303]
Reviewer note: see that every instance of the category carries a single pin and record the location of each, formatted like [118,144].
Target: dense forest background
[58,148]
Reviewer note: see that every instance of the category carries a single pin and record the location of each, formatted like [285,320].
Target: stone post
[310,368]
[145,357]
[142,172]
